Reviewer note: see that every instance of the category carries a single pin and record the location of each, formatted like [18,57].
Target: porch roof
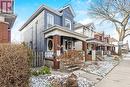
[95,42]
[99,42]
[62,31]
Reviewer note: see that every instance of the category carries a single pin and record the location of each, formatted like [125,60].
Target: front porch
[99,49]
[59,40]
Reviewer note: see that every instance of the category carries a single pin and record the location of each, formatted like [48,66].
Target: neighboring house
[52,31]
[87,30]
[125,48]
[114,43]
[7,19]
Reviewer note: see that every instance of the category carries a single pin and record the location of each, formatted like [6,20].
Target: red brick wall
[4,33]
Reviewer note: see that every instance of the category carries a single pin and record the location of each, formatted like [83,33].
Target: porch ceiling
[62,31]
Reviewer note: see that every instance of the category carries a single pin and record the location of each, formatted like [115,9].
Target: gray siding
[67,14]
[60,20]
[57,18]
[29,32]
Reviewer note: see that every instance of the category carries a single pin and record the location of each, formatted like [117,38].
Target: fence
[38,59]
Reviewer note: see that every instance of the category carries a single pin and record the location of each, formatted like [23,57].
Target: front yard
[88,75]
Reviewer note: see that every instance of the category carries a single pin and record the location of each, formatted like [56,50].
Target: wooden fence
[38,59]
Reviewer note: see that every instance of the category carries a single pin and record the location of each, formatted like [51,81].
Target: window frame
[50,20]
[68,21]
[49,39]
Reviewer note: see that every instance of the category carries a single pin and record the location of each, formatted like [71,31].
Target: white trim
[64,48]
[50,18]
[67,20]
[70,7]
[63,31]
[47,44]
[64,45]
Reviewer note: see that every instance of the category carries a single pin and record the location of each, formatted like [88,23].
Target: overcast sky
[25,8]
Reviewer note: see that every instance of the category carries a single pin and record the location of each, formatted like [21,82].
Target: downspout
[36,36]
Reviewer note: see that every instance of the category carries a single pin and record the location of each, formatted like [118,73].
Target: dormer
[68,17]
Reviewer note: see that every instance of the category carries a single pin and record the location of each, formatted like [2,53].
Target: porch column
[94,52]
[84,48]
[56,42]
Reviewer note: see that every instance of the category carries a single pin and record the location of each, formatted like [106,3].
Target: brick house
[7,19]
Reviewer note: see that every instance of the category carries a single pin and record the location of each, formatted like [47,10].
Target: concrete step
[73,69]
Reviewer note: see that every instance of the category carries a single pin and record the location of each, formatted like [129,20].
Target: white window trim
[64,45]
[68,22]
[52,20]
[47,44]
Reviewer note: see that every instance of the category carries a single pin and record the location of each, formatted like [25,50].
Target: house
[125,48]
[7,19]
[114,43]
[52,31]
[87,30]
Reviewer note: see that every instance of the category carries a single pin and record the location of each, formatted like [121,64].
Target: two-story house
[7,19]
[52,31]
[87,30]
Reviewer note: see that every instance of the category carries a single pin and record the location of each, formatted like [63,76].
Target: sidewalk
[119,77]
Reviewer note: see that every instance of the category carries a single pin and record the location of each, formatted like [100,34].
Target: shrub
[44,70]
[14,65]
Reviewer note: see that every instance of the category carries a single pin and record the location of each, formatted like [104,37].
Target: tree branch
[128,29]
[126,19]
[117,29]
[126,35]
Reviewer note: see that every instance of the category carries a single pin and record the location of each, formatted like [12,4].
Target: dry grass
[14,65]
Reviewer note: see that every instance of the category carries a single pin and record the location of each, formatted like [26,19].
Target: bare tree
[115,11]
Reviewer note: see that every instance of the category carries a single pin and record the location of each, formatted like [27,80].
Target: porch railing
[49,54]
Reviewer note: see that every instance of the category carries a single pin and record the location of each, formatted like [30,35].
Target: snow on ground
[100,68]
[46,80]
[97,69]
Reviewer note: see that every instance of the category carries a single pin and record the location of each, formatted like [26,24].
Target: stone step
[70,66]
[73,69]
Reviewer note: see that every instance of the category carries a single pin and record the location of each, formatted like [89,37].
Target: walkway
[119,77]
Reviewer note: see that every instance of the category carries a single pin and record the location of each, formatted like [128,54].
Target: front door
[68,45]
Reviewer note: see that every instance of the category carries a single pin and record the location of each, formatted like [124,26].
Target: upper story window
[68,23]
[6,6]
[50,20]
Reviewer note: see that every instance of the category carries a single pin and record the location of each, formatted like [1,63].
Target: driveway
[119,77]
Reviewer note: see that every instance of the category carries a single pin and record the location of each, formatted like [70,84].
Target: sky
[25,8]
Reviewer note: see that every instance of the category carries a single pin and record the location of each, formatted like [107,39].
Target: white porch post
[94,52]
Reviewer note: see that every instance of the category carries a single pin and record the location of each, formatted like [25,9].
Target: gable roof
[40,9]
[79,25]
[70,7]
[37,12]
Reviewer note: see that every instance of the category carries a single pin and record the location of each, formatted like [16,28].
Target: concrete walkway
[119,77]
